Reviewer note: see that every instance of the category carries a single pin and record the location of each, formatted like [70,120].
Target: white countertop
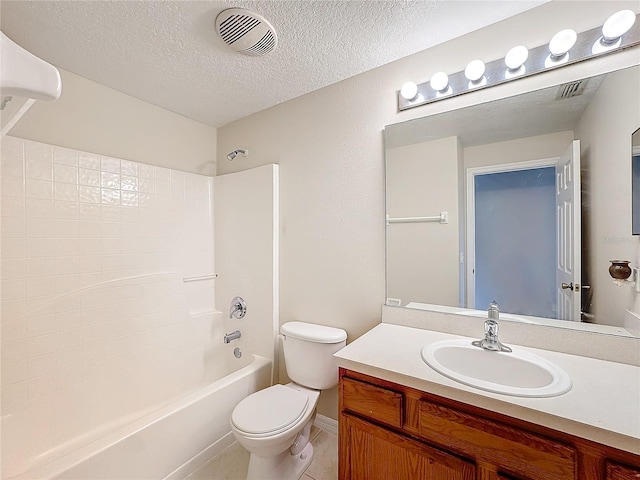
[603,404]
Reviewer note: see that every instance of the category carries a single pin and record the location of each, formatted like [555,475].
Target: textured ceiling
[168,53]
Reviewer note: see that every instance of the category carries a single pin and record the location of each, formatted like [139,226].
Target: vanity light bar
[587,45]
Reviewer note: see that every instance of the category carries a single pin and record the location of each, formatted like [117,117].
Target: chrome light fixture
[619,31]
[617,25]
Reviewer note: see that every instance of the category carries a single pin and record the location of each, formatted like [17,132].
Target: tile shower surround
[95,317]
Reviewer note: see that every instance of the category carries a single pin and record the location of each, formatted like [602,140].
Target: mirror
[472,196]
[635,180]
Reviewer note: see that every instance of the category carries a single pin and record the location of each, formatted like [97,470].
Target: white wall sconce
[409,91]
[440,82]
[474,72]
[617,25]
[623,274]
[516,57]
[620,31]
[562,42]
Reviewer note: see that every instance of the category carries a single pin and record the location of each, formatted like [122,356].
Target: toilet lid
[269,410]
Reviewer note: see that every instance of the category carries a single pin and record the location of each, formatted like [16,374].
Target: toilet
[274,424]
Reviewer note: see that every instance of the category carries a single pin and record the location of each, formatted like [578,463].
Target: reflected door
[514,239]
[568,256]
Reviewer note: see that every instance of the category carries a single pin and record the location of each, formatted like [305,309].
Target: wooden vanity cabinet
[389,431]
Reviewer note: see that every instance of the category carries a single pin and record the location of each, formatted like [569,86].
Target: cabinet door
[370,452]
[620,472]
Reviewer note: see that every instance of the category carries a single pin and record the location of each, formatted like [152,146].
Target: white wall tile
[36,208]
[38,267]
[41,189]
[65,174]
[12,186]
[109,164]
[64,156]
[13,227]
[13,268]
[76,226]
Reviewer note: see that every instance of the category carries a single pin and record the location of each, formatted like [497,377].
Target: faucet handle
[491,329]
[238,308]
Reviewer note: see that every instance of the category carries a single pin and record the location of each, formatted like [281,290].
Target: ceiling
[168,53]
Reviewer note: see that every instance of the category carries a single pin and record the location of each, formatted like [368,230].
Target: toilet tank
[308,353]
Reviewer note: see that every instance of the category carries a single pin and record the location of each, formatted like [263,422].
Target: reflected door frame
[470,214]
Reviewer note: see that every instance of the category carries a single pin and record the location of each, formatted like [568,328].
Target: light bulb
[474,70]
[439,81]
[562,42]
[516,57]
[409,91]
[617,25]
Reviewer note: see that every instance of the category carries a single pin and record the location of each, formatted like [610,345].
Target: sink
[518,373]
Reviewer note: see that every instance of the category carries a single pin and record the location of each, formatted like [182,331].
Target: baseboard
[327,424]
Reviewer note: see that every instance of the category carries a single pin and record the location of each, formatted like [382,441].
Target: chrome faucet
[232,336]
[490,340]
[238,308]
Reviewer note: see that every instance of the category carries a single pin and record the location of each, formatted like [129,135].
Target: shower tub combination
[171,441]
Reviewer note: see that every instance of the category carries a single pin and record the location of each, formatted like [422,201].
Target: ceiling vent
[572,89]
[246,32]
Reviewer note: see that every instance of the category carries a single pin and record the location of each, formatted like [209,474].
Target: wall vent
[246,32]
[572,89]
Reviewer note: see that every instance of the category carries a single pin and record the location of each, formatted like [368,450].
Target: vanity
[400,419]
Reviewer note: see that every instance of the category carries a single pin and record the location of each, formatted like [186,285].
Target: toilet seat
[270,411]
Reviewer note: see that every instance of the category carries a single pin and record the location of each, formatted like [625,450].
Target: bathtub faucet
[232,336]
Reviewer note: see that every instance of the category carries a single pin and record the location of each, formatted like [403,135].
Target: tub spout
[232,336]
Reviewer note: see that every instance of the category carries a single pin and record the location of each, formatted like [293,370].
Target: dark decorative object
[620,269]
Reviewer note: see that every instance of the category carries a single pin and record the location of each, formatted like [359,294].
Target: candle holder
[620,271]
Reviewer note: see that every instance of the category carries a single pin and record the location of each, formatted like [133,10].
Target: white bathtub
[171,441]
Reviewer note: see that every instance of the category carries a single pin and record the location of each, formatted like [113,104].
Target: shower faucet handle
[238,308]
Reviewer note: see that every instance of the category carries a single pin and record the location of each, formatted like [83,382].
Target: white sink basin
[518,373]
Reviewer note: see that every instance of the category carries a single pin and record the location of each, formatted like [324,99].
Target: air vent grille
[572,89]
[246,32]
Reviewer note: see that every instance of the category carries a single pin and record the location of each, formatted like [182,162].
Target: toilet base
[280,467]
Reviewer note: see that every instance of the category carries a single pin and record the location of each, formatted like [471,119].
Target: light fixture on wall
[617,25]
[516,57]
[440,82]
[620,271]
[409,91]
[474,72]
[619,31]
[562,42]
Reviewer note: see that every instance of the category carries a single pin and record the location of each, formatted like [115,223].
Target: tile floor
[232,464]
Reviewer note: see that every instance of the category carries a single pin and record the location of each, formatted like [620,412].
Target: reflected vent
[246,32]
[572,89]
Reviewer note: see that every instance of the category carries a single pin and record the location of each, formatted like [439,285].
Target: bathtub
[169,442]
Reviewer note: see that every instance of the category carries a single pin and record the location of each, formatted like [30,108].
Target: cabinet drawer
[377,403]
[515,451]
[620,472]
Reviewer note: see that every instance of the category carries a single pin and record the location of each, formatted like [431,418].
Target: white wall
[97,323]
[527,149]
[605,135]
[246,252]
[422,258]
[94,118]
[329,146]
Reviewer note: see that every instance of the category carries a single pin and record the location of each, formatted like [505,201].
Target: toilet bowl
[274,424]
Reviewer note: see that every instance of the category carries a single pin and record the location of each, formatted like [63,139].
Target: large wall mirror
[520,200]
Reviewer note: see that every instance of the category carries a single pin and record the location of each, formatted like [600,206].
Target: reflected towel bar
[197,279]
[442,218]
